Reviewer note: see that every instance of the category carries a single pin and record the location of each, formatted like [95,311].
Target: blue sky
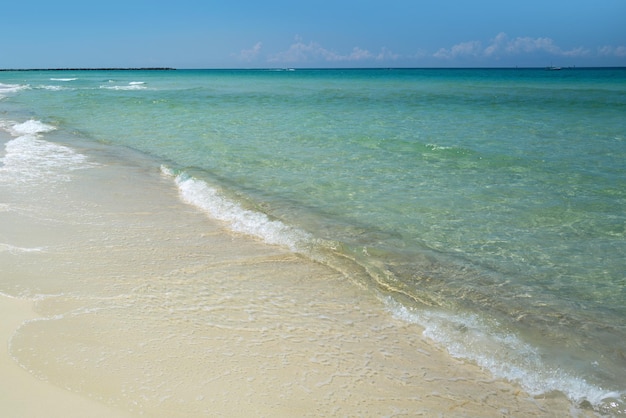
[320,33]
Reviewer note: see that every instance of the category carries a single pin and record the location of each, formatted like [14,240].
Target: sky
[312,34]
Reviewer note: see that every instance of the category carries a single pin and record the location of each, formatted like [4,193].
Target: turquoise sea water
[485,205]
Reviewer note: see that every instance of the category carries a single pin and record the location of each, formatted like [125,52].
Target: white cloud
[302,52]
[471,48]
[503,45]
[250,54]
[576,52]
[607,51]
[386,54]
[496,44]
[356,55]
[527,44]
[421,53]
[498,48]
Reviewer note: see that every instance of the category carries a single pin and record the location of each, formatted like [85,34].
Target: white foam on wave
[199,194]
[504,355]
[133,85]
[436,147]
[6,89]
[30,127]
[63,79]
[53,88]
[30,159]
[14,250]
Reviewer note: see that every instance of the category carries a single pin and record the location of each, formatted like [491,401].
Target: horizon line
[299,68]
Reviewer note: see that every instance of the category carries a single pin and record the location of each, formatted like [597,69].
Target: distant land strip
[90,69]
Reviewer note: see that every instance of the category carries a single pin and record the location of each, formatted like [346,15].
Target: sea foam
[6,89]
[30,159]
[133,85]
[14,249]
[504,355]
[30,127]
[198,193]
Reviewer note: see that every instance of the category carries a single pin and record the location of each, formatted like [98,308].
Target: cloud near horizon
[503,45]
[307,52]
[250,54]
[607,50]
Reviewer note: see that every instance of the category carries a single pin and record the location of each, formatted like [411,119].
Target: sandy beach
[146,307]
[447,388]
[21,393]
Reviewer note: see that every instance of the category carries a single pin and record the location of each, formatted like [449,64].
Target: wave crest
[504,355]
[6,89]
[199,194]
[29,159]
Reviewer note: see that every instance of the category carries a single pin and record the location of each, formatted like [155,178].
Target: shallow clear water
[486,205]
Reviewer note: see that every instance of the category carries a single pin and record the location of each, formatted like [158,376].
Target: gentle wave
[14,249]
[133,85]
[30,159]
[483,193]
[63,79]
[53,88]
[198,193]
[6,89]
[468,337]
[436,147]
[503,354]
[30,127]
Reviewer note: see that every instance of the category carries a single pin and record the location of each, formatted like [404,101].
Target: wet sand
[21,393]
[146,306]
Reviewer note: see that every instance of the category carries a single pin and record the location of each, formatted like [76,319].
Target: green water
[487,205]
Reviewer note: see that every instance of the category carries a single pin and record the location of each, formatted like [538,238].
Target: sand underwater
[118,299]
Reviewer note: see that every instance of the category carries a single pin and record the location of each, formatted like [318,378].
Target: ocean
[484,205]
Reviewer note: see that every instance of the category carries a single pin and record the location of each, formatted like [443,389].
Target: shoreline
[155,309]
